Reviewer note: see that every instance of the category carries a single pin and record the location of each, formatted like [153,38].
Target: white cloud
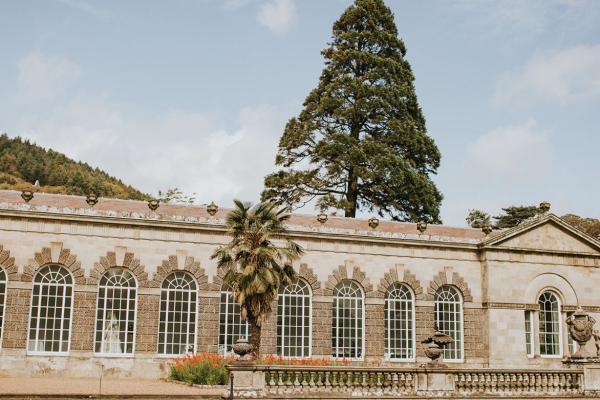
[43,77]
[278,16]
[525,18]
[88,8]
[566,77]
[511,155]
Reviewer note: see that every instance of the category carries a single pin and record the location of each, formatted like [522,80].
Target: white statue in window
[111,340]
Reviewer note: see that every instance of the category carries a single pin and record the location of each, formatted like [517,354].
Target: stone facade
[498,278]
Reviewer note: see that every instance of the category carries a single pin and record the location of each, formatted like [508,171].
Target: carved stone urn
[27,195]
[435,347]
[153,204]
[581,330]
[242,348]
[421,226]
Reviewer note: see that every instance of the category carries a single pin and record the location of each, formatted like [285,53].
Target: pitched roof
[190,212]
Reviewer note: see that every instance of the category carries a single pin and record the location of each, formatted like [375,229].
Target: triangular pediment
[546,233]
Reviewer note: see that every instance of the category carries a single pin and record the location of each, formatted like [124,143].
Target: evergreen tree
[515,215]
[477,219]
[360,142]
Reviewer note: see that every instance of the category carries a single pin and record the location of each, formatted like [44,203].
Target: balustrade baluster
[397,382]
[279,378]
[271,382]
[350,381]
[334,380]
[296,378]
[480,383]
[494,382]
[304,382]
[487,382]
[528,382]
[387,382]
[327,380]
[311,379]
[410,383]
[288,381]
[554,383]
[319,377]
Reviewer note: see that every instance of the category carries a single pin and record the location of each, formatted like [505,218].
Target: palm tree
[256,266]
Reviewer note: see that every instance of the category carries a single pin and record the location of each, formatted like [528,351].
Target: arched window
[448,316]
[50,319]
[550,337]
[231,325]
[399,323]
[115,317]
[347,334]
[2,301]
[293,320]
[177,320]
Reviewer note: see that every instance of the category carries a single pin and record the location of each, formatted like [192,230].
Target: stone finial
[421,226]
[322,218]
[153,204]
[486,228]
[91,199]
[36,184]
[212,209]
[545,207]
[27,195]
[373,222]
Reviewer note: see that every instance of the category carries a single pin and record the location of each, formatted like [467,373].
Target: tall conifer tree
[360,142]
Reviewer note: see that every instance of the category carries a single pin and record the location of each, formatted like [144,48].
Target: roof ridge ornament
[545,207]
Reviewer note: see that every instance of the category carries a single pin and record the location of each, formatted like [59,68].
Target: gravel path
[121,387]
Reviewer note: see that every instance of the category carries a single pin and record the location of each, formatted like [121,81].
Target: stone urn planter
[581,330]
[435,348]
[242,348]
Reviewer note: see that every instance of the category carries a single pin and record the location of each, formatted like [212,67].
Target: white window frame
[558,322]
[335,339]
[66,274]
[458,303]
[388,328]
[192,291]
[224,328]
[286,293]
[529,332]
[3,295]
[128,321]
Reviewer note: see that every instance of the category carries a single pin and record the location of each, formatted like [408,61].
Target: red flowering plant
[209,368]
[200,369]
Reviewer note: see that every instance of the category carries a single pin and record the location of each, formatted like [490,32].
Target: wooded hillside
[23,163]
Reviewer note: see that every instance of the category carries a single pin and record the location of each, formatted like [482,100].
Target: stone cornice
[154,220]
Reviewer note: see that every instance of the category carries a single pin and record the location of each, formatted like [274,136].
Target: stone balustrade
[517,382]
[343,381]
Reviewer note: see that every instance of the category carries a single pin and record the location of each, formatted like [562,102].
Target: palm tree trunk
[255,331]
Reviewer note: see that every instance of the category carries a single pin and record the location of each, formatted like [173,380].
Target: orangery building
[118,289]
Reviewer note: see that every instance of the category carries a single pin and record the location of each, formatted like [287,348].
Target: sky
[195,94]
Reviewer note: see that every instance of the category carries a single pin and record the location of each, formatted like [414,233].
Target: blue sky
[195,93]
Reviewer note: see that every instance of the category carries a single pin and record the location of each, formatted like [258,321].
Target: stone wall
[321,328]
[146,338]
[84,320]
[16,318]
[208,324]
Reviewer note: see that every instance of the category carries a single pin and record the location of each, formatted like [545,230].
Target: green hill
[23,163]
